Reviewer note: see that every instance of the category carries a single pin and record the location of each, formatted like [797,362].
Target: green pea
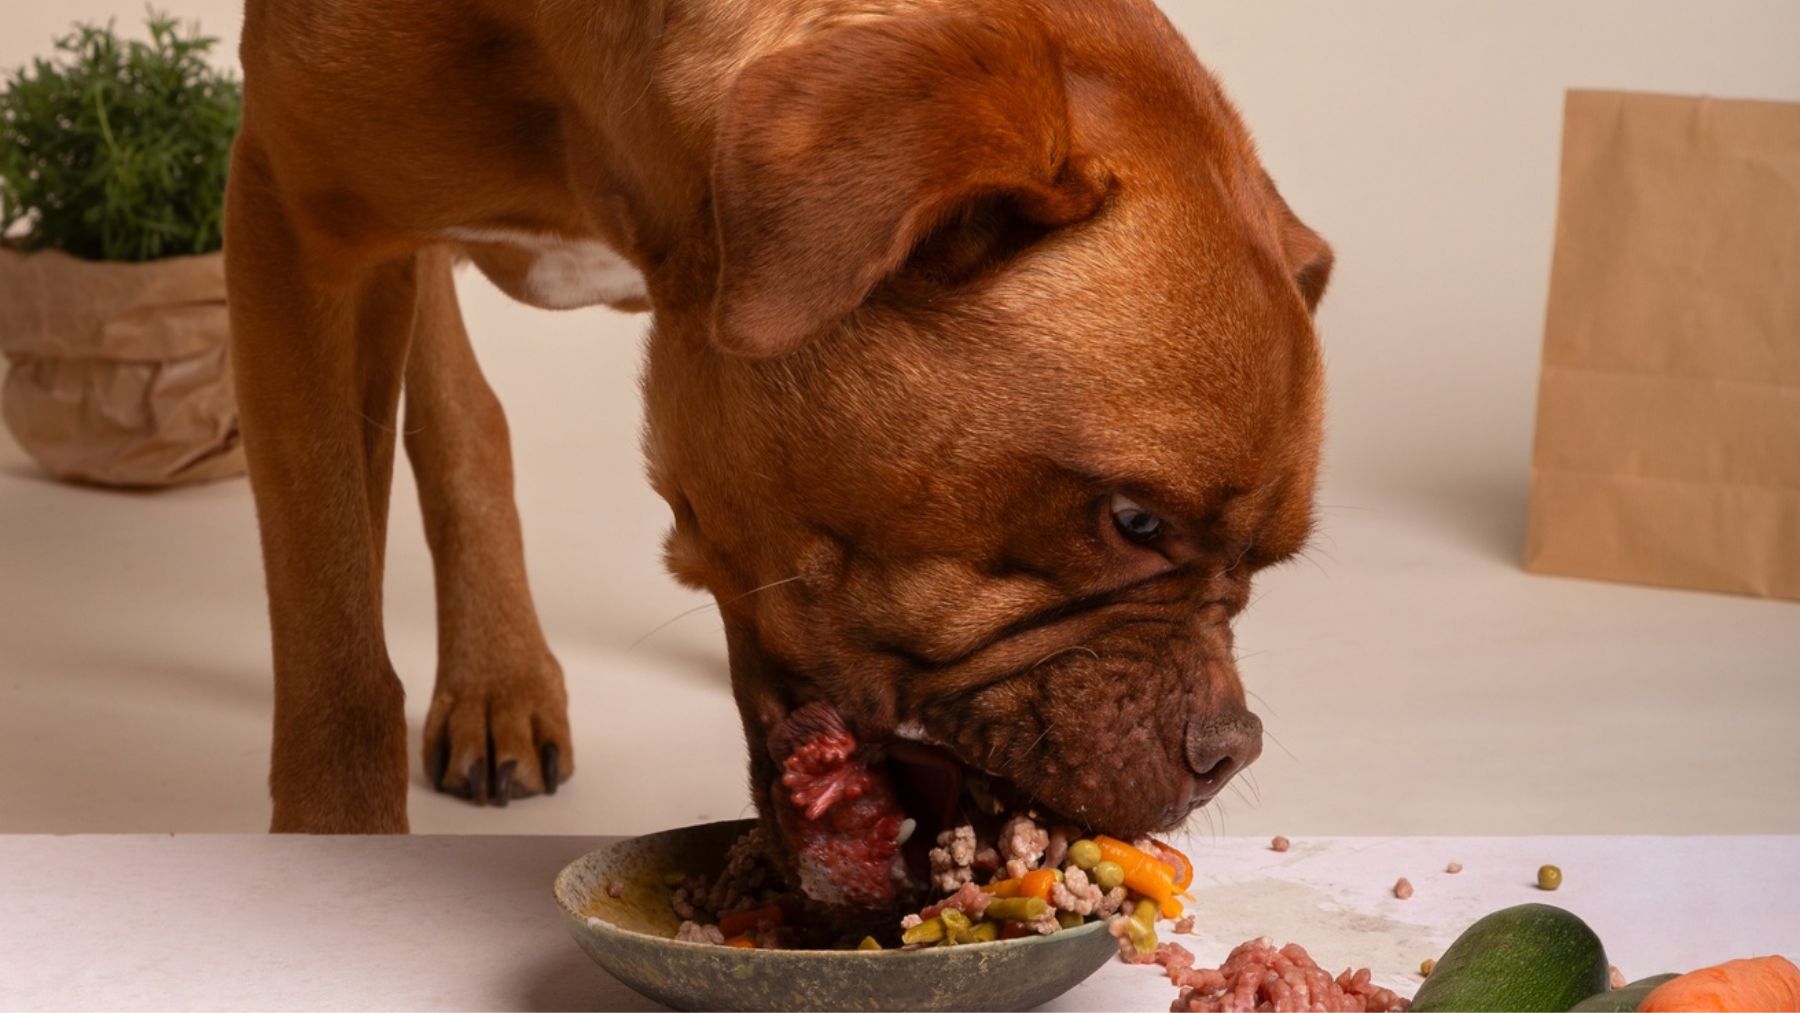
[1085,854]
[1069,919]
[1109,875]
[1549,877]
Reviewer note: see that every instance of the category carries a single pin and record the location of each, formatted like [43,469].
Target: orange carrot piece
[1146,875]
[741,943]
[1171,908]
[739,922]
[1002,888]
[1184,869]
[1037,883]
[1755,983]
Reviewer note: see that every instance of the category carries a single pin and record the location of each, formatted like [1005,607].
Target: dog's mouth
[861,818]
[938,792]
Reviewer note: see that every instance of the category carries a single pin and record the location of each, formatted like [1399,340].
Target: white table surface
[261,922]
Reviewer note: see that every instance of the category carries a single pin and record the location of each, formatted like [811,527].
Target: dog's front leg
[319,345]
[498,727]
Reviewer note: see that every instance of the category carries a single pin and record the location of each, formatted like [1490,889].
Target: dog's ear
[837,156]
[1307,253]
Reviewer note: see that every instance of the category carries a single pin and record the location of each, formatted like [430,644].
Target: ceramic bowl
[631,936]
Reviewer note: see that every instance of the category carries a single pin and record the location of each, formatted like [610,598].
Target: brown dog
[982,376]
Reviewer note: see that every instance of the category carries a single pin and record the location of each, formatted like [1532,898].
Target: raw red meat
[837,809]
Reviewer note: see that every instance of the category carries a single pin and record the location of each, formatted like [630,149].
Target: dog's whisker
[1283,745]
[1239,791]
[659,627]
[1035,742]
[1059,652]
[1272,711]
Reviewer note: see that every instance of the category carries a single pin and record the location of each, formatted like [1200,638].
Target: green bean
[985,932]
[924,932]
[956,927]
[1017,909]
[1068,919]
[868,943]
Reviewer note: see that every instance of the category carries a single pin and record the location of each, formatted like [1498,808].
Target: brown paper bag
[118,372]
[1668,428]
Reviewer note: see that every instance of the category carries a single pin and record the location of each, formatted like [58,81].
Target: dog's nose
[1220,745]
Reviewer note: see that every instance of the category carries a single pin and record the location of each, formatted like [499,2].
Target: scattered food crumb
[615,888]
[1403,888]
[1279,844]
[1186,925]
[1426,966]
[1453,868]
[1614,976]
[1549,877]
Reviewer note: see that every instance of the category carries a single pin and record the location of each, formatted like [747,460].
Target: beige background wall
[1421,138]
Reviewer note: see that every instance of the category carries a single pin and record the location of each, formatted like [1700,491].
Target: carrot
[1002,888]
[1184,869]
[1755,983]
[1037,883]
[739,922]
[741,943]
[1146,875]
[1171,908]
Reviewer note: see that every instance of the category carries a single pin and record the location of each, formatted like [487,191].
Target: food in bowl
[1024,877]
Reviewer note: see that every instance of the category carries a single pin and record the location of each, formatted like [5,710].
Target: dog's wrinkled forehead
[974,277]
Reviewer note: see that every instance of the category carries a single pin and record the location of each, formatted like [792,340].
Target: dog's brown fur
[928,288]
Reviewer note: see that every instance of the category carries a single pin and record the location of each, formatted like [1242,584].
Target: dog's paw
[499,733]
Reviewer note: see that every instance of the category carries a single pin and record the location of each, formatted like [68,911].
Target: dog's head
[1007,388]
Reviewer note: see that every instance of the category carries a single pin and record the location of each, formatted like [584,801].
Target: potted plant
[112,288]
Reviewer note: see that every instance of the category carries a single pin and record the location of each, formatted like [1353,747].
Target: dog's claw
[503,779]
[440,764]
[478,784]
[550,763]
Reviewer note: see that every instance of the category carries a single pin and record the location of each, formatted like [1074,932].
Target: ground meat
[1185,926]
[837,809]
[1022,844]
[987,860]
[1111,902]
[1453,868]
[1075,893]
[694,932]
[680,903]
[1058,848]
[1615,978]
[953,860]
[1403,888]
[1257,976]
[1120,928]
[1044,924]
[615,888]
[968,898]
[1279,844]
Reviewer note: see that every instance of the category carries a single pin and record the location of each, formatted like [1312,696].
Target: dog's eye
[1133,521]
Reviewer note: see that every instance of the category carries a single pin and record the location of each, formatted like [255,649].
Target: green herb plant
[117,150]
